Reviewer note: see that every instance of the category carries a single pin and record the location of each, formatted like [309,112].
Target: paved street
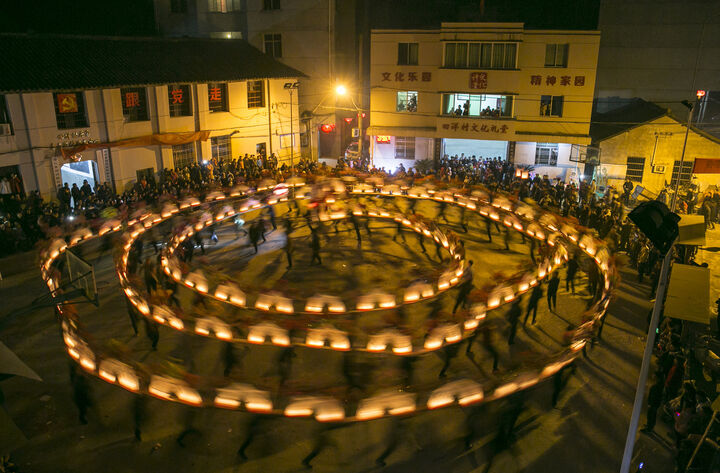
[587,429]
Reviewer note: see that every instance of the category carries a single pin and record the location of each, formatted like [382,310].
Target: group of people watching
[26,219]
[464,111]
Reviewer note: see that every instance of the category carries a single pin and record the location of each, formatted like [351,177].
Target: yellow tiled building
[482,89]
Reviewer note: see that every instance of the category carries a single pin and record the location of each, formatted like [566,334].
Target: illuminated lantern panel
[562,237]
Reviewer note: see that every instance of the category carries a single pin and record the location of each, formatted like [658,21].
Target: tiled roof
[636,113]
[33,63]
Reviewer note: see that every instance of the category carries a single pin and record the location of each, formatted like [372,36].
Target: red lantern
[348,120]
[327,127]
[700,94]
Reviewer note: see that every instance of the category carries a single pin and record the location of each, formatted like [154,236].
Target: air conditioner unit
[5,129]
[658,169]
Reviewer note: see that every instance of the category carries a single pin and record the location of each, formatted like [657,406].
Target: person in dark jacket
[552,290]
[655,396]
[315,246]
[513,316]
[532,306]
[76,195]
[86,190]
[572,269]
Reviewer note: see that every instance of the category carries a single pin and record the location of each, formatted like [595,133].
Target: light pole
[341,91]
[662,286]
[290,86]
[691,106]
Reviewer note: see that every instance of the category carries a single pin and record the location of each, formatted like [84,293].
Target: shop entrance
[481,149]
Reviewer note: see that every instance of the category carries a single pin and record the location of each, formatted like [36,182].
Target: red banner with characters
[146,140]
[706,166]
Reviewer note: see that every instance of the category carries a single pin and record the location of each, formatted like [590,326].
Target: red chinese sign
[478,80]
[177,96]
[382,139]
[475,127]
[577,81]
[132,99]
[409,77]
[215,94]
[67,103]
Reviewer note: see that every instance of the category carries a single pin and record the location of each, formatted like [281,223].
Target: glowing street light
[340,89]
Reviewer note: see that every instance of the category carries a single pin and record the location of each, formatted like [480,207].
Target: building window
[183,155]
[404,147]
[224,6]
[271,5]
[134,104]
[70,110]
[178,6]
[685,176]
[546,154]
[217,97]
[5,118]
[273,44]
[635,168]
[556,55]
[287,141]
[478,105]
[551,105]
[407,101]
[255,94]
[407,54]
[480,55]
[179,100]
[221,150]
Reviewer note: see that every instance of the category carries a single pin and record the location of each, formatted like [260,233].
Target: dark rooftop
[637,112]
[34,63]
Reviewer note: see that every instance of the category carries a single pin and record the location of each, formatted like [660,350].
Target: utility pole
[645,367]
[290,86]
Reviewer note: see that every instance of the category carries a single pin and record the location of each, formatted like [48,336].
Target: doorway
[261,149]
[79,171]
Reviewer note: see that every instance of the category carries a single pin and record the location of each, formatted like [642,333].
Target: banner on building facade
[147,140]
[706,166]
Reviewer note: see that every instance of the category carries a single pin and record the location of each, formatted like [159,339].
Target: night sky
[81,17]
[136,17]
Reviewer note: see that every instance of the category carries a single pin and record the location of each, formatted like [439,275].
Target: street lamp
[659,219]
[341,91]
[691,106]
[290,86]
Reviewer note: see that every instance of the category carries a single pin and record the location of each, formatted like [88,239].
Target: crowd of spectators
[27,219]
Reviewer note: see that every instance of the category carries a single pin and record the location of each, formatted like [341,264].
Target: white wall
[525,155]
[478,148]
[106,123]
[384,153]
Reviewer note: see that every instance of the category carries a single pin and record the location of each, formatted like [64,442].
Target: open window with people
[407,101]
[478,105]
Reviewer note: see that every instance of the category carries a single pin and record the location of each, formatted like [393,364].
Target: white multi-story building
[484,90]
[119,109]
